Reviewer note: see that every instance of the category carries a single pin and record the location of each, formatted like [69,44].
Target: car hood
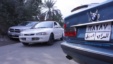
[36,30]
[20,27]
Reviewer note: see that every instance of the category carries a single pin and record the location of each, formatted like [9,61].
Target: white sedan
[46,31]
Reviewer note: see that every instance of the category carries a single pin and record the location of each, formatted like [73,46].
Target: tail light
[64,26]
[70,34]
[69,31]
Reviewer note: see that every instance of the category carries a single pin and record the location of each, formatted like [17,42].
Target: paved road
[37,54]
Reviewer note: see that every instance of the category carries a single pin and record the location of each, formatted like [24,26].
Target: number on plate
[100,32]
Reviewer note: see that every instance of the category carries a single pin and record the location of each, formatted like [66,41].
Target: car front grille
[15,30]
[11,30]
[29,34]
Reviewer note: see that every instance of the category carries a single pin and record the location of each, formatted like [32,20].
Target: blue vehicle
[89,34]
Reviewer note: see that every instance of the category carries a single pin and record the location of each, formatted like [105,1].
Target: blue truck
[89,34]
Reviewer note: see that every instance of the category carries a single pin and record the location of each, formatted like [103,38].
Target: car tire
[61,38]
[51,40]
[25,44]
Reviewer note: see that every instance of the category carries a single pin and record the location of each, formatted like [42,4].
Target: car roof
[48,21]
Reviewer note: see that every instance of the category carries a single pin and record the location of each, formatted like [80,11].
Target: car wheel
[51,40]
[61,38]
[25,44]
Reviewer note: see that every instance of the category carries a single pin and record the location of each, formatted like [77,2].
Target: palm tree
[51,13]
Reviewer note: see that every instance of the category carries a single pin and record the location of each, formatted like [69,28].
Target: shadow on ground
[6,41]
[41,44]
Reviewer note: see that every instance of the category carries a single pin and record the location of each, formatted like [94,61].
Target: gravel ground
[6,41]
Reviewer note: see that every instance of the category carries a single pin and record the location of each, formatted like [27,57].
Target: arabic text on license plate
[98,32]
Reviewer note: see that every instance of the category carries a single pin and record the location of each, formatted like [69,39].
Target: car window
[27,24]
[55,23]
[44,25]
[58,25]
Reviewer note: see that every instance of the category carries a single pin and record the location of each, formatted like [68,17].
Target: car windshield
[44,25]
[27,23]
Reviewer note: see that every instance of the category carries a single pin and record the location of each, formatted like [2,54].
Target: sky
[67,5]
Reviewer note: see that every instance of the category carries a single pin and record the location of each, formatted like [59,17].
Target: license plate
[98,32]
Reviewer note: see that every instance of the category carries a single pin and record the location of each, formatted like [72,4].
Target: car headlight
[41,33]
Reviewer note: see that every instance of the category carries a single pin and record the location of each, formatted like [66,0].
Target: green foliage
[48,3]
[32,8]
[13,12]
[51,14]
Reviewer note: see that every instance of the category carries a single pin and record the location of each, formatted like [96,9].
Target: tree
[13,12]
[8,13]
[32,8]
[51,13]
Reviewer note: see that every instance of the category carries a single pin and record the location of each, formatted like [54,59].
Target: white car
[46,31]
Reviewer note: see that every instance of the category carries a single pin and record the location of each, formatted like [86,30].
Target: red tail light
[64,26]
[70,32]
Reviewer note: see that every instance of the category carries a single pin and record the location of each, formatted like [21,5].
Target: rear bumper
[87,54]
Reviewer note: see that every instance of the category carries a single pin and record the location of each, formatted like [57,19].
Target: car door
[56,31]
[60,31]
